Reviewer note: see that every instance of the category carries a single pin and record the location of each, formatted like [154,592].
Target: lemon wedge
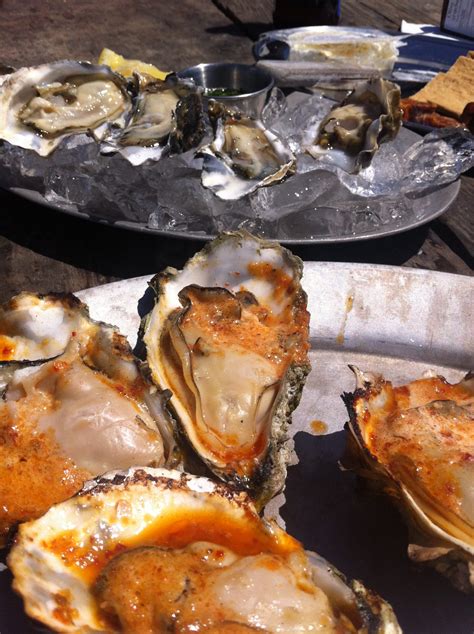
[127,67]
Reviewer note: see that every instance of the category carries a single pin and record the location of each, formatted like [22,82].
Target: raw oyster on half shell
[80,411]
[229,337]
[151,550]
[167,117]
[41,105]
[353,130]
[416,442]
[243,156]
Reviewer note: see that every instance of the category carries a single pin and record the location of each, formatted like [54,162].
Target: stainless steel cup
[254,84]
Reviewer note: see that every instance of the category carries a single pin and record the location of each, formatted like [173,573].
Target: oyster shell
[353,130]
[219,566]
[68,418]
[41,105]
[416,442]
[243,155]
[167,117]
[229,337]
[37,327]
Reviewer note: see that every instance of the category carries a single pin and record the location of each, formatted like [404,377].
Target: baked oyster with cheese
[228,336]
[243,156]
[152,550]
[42,105]
[353,130]
[73,404]
[167,117]
[416,443]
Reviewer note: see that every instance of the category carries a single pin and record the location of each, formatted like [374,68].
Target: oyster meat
[417,442]
[229,337]
[243,155]
[40,106]
[152,550]
[66,419]
[352,132]
[167,116]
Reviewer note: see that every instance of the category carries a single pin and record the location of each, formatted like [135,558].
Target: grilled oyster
[41,105]
[74,416]
[243,155]
[167,116]
[417,442]
[155,550]
[352,132]
[229,337]
[35,327]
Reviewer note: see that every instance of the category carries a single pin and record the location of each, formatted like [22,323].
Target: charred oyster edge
[364,609]
[428,543]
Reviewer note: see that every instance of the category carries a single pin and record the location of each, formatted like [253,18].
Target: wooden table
[41,249]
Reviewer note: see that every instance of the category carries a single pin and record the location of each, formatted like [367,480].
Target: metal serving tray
[396,321]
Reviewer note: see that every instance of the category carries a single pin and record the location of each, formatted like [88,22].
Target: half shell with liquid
[152,550]
[42,105]
[243,156]
[167,118]
[352,132]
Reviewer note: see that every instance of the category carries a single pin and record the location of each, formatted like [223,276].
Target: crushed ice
[319,201]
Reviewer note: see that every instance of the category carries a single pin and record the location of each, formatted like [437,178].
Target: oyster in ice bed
[152,550]
[416,442]
[41,105]
[243,155]
[229,337]
[72,417]
[167,117]
[352,132]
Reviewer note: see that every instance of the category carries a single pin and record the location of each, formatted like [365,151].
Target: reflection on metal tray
[400,322]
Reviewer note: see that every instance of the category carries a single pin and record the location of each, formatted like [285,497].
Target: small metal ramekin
[254,84]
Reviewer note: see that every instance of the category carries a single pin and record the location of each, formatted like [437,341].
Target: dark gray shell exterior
[186,125]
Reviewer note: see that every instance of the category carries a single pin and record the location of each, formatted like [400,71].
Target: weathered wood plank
[44,250]
[460,218]
[32,32]
[437,256]
[386,15]
[252,17]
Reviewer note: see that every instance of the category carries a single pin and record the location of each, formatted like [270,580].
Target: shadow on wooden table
[116,252]
[364,536]
[250,29]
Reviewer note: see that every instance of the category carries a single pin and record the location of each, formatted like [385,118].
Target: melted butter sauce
[348,308]
[318,427]
[244,536]
[7,348]
[281,339]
